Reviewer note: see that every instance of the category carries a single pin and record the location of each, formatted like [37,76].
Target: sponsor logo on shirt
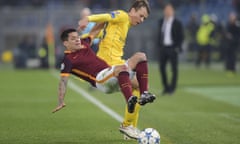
[113,13]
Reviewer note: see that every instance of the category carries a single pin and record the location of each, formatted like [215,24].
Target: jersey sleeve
[66,67]
[114,16]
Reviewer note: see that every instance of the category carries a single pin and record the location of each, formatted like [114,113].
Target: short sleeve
[66,67]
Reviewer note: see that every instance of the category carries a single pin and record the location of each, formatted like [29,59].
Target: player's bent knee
[140,56]
[119,69]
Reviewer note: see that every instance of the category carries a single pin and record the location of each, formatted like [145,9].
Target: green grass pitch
[204,110]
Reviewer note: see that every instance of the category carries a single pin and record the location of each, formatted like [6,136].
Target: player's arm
[96,30]
[61,93]
[115,16]
[99,18]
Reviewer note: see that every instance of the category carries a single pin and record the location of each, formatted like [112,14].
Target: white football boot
[125,137]
[129,132]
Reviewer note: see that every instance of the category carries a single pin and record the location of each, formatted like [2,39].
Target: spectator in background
[43,55]
[204,39]
[217,36]
[233,35]
[84,13]
[170,40]
[28,46]
[191,29]
[24,51]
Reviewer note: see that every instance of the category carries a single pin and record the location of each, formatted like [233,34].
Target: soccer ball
[149,136]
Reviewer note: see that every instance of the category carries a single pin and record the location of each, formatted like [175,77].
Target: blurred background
[30,29]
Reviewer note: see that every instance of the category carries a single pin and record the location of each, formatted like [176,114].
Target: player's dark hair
[64,35]
[141,3]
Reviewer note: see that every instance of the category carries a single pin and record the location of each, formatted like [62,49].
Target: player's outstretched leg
[130,131]
[128,127]
[131,119]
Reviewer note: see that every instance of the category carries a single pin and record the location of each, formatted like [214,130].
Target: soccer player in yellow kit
[117,24]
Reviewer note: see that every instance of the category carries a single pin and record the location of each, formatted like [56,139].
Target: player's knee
[121,68]
[141,56]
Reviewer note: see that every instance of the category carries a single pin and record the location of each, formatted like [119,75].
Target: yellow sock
[132,118]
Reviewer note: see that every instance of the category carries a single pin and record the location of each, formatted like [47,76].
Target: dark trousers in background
[230,58]
[203,54]
[168,54]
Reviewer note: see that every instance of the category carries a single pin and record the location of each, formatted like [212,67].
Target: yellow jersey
[114,35]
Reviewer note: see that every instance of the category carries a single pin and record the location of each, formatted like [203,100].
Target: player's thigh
[106,81]
[109,86]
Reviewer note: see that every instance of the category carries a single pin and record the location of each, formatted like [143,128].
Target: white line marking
[225,115]
[92,99]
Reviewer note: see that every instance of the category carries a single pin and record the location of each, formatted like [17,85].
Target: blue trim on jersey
[112,14]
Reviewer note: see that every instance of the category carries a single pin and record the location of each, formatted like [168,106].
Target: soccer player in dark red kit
[81,61]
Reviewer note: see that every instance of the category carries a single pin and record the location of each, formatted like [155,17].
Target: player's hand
[59,107]
[82,24]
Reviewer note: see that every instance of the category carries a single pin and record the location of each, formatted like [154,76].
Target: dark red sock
[125,84]
[142,76]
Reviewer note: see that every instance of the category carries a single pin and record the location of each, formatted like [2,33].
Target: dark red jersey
[83,63]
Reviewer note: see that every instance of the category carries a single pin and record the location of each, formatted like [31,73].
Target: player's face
[138,16]
[73,42]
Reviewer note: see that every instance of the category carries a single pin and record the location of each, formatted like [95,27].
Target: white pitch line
[225,115]
[93,100]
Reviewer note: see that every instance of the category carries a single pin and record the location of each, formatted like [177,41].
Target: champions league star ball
[149,136]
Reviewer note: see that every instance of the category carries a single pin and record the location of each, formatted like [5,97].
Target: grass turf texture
[193,115]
